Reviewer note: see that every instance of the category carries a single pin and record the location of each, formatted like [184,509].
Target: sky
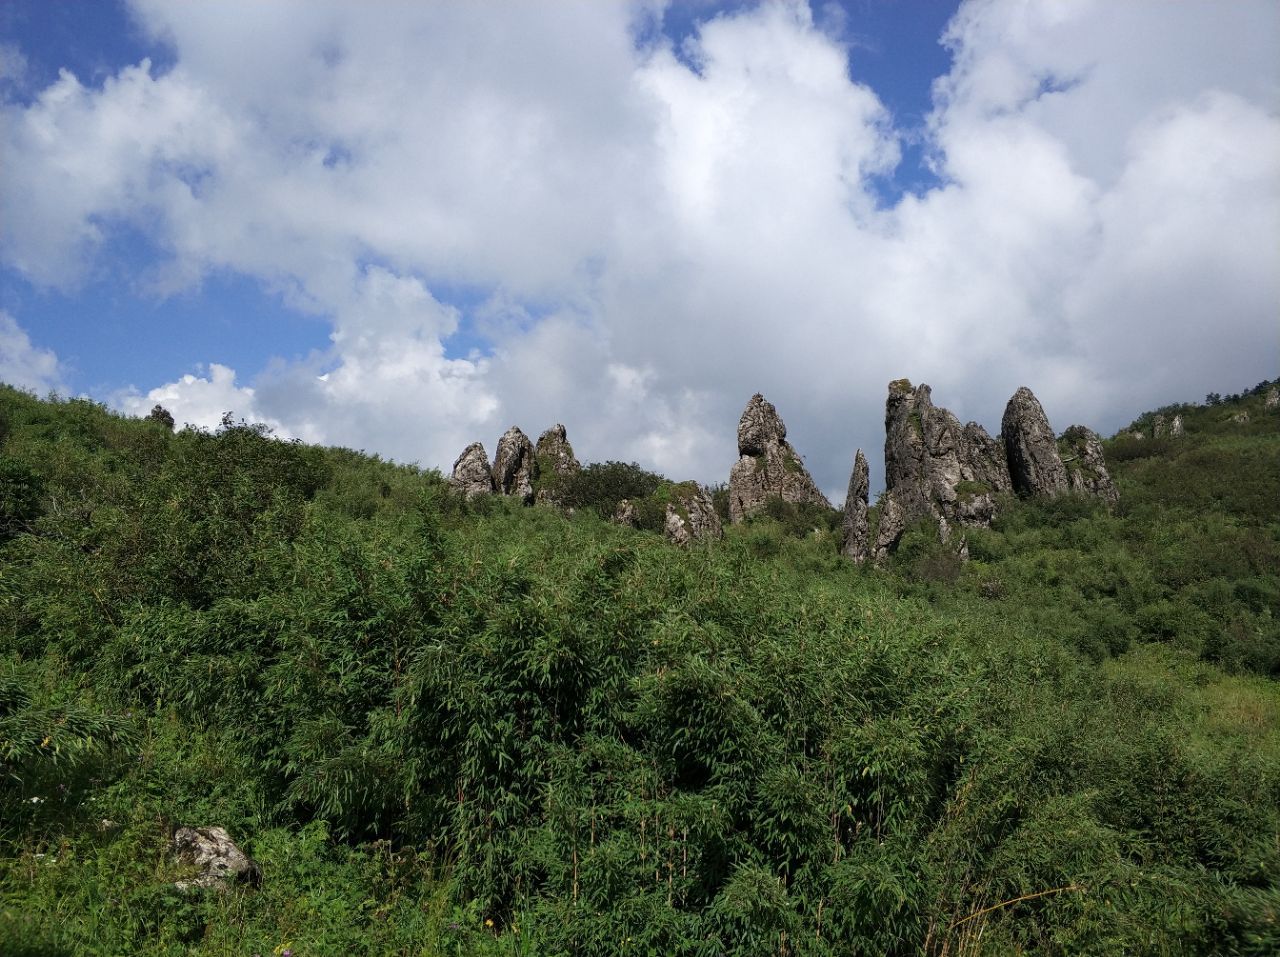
[405,227]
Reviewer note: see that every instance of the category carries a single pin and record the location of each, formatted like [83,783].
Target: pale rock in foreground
[219,860]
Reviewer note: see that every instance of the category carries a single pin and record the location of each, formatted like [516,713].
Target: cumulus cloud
[647,235]
[23,364]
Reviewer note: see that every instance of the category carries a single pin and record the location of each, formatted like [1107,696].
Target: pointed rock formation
[1272,400]
[691,516]
[1086,468]
[768,467]
[1035,466]
[857,532]
[471,473]
[515,465]
[556,463]
[1176,430]
[934,468]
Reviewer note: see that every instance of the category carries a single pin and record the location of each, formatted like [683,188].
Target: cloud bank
[511,213]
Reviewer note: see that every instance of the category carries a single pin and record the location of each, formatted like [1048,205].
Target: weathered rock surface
[857,532]
[767,467]
[515,465]
[1035,467]
[219,860]
[1272,400]
[1175,428]
[556,461]
[471,474]
[691,516]
[1240,418]
[934,468]
[1086,467]
[625,514]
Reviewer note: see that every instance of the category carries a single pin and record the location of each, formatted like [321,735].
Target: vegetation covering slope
[445,728]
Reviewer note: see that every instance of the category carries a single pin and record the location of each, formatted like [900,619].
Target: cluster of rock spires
[936,470]
[517,465]
[939,471]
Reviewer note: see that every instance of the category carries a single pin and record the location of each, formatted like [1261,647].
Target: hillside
[444,726]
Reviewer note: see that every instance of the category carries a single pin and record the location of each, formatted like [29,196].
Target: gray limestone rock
[856,545]
[985,459]
[471,474]
[625,514]
[1159,428]
[691,516]
[556,463]
[768,467]
[1086,467]
[1272,400]
[934,468]
[515,465]
[1240,418]
[1175,428]
[219,862]
[1035,466]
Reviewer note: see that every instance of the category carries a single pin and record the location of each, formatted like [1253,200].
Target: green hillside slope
[444,728]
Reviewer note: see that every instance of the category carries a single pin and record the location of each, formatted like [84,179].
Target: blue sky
[405,227]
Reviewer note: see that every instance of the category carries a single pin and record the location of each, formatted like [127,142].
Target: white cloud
[198,400]
[656,237]
[23,364]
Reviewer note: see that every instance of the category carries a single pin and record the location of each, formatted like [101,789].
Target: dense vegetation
[445,728]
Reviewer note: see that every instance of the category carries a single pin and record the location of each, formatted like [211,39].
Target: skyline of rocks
[935,469]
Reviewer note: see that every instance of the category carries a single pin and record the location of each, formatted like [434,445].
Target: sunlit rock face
[767,467]
[471,473]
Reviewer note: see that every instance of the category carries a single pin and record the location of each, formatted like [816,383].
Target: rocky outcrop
[934,468]
[1159,427]
[1240,418]
[515,465]
[856,544]
[471,473]
[625,514]
[556,464]
[1176,430]
[767,467]
[1086,467]
[691,516]
[1272,401]
[218,861]
[1035,467]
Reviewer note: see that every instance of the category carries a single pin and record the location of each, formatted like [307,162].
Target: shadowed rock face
[515,465]
[1035,467]
[1086,467]
[691,517]
[471,473]
[767,467]
[856,545]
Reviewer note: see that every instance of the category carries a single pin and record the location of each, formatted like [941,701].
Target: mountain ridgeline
[263,697]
